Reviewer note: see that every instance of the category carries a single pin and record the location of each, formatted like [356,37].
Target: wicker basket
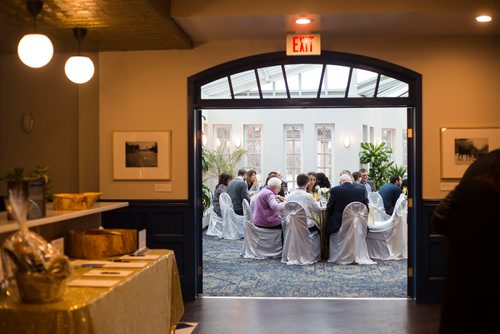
[80,201]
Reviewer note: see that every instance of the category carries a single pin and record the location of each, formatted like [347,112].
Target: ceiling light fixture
[483,18]
[79,69]
[303,20]
[35,50]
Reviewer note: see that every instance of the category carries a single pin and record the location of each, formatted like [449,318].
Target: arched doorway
[392,86]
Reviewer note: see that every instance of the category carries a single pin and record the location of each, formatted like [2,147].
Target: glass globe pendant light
[35,50]
[79,69]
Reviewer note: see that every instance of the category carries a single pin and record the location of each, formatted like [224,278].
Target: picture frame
[460,147]
[142,155]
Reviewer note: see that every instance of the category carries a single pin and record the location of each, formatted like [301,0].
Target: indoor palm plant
[378,159]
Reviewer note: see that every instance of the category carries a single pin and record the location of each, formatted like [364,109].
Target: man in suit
[238,191]
[340,197]
[364,180]
[390,193]
[468,217]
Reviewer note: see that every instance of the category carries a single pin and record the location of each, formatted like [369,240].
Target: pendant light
[79,69]
[35,50]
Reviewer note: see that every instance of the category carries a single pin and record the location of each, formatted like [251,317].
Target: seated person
[266,211]
[313,182]
[310,205]
[238,191]
[390,193]
[340,197]
[220,188]
[251,180]
[323,181]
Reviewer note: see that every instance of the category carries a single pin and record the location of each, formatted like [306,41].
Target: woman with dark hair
[313,182]
[323,181]
[251,180]
[220,188]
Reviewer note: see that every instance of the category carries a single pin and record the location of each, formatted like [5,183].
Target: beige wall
[144,91]
[147,91]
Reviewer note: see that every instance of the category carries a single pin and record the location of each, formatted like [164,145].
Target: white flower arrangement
[324,191]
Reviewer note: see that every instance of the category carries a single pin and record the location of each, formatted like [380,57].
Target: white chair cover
[214,224]
[376,212]
[348,244]
[259,243]
[232,224]
[388,240]
[300,246]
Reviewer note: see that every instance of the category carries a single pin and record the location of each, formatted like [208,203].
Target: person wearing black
[390,193]
[340,197]
[322,180]
[468,218]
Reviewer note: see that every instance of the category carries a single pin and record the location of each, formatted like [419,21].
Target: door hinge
[410,272]
[410,202]
[410,133]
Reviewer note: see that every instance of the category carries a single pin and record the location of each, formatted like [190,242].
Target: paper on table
[93,283]
[140,257]
[109,264]
[116,273]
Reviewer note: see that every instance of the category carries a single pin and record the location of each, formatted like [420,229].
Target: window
[222,134]
[253,146]
[324,144]
[404,146]
[388,137]
[293,153]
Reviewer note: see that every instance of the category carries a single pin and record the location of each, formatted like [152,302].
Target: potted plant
[377,157]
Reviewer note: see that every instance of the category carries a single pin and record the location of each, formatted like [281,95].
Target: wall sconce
[79,69]
[347,141]
[35,50]
[237,142]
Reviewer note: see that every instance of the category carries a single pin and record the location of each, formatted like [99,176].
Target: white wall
[347,122]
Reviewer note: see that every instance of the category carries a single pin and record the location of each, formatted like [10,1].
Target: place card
[140,257]
[93,283]
[118,263]
[109,273]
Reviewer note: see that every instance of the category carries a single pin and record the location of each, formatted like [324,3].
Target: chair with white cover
[214,224]
[388,240]
[232,224]
[300,246]
[259,243]
[376,212]
[348,244]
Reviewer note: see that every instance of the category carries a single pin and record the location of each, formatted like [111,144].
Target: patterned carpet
[226,273]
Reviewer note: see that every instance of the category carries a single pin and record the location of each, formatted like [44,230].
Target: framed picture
[142,155]
[460,147]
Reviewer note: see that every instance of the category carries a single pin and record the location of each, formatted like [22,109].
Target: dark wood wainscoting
[168,225]
[432,259]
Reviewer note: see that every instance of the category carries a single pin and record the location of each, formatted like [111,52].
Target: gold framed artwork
[460,147]
[145,155]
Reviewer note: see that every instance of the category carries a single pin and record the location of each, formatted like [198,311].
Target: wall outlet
[163,187]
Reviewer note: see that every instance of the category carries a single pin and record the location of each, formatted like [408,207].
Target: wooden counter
[58,222]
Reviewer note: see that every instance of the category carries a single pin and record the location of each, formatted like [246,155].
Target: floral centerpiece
[324,195]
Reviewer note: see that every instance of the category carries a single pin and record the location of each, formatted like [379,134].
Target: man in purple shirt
[266,212]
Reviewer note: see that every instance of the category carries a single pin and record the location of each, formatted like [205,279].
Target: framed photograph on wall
[142,155]
[460,147]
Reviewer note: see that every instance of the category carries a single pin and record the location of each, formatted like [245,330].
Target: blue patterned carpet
[226,273]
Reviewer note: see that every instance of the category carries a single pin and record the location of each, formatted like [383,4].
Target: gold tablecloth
[148,301]
[323,218]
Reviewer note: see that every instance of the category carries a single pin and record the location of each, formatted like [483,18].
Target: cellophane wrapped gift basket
[35,271]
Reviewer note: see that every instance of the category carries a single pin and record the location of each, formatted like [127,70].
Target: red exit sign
[304,44]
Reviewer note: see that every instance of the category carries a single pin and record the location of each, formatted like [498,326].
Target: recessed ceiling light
[303,20]
[483,18]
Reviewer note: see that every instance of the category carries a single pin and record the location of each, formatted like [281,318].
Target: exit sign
[304,44]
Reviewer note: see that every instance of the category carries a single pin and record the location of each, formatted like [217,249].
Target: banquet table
[149,300]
